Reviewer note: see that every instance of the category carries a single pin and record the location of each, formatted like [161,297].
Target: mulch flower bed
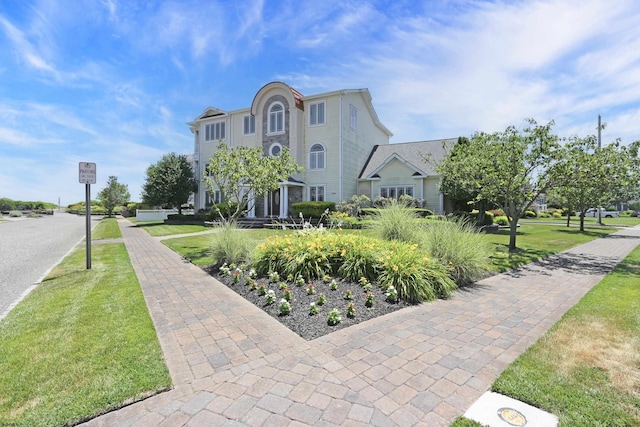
[299,320]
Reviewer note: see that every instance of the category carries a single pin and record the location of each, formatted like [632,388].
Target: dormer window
[276,118]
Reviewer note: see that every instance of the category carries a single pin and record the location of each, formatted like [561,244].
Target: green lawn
[107,228]
[196,248]
[159,228]
[623,221]
[586,369]
[538,240]
[80,344]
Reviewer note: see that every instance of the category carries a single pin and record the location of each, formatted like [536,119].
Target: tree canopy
[509,169]
[242,174]
[114,194]
[169,182]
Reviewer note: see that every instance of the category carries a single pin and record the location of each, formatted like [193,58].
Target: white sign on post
[87,173]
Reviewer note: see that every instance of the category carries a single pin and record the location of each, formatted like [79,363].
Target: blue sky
[114,81]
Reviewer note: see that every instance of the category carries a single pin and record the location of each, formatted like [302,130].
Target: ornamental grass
[415,275]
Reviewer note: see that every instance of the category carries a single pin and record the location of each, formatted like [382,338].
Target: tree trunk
[179,209]
[512,234]
[581,221]
[568,217]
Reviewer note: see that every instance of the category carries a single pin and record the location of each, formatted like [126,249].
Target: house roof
[410,153]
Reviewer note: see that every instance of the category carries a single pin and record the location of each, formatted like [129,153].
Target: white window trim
[395,188]
[252,119]
[324,153]
[269,130]
[316,186]
[212,125]
[324,104]
[275,144]
[351,124]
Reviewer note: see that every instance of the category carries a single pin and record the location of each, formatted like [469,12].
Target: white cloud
[25,49]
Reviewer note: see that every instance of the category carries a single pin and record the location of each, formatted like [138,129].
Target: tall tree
[509,169]
[243,174]
[169,182]
[114,194]
[589,176]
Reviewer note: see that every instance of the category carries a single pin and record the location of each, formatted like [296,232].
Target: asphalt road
[30,247]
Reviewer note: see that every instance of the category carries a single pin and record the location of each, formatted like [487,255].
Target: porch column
[266,205]
[284,195]
[252,206]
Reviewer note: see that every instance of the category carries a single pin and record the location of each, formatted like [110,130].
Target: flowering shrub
[334,317]
[262,290]
[287,294]
[351,310]
[274,276]
[299,281]
[322,300]
[285,307]
[225,270]
[313,309]
[252,285]
[367,287]
[310,289]
[370,299]
[314,256]
[326,278]
[414,275]
[252,274]
[334,285]
[236,276]
[392,294]
[282,285]
[271,296]
[348,295]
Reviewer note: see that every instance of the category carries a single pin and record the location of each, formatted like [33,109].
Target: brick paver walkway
[232,364]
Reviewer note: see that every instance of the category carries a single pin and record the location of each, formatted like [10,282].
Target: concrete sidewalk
[232,364]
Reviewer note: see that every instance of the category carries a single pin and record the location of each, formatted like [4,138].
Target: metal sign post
[87,173]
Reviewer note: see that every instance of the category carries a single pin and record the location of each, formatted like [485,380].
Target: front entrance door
[274,203]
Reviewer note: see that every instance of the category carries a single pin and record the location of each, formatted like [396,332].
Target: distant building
[336,136]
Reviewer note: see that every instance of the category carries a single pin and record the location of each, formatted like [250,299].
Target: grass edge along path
[81,344]
[586,368]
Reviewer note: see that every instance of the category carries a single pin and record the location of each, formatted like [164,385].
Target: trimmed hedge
[311,209]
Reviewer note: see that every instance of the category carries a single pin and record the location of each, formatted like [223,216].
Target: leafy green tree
[169,182]
[114,194]
[589,176]
[242,174]
[509,169]
[7,204]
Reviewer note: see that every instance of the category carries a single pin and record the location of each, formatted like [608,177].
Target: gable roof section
[410,153]
[366,96]
[297,96]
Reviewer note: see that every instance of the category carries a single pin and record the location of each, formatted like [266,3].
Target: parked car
[593,212]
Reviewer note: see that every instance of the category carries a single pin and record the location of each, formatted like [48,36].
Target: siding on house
[346,150]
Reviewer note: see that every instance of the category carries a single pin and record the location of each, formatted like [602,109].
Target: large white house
[336,136]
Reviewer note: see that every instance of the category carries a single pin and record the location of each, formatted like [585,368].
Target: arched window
[276,118]
[316,157]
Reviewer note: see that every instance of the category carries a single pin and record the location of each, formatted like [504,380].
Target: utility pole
[599,146]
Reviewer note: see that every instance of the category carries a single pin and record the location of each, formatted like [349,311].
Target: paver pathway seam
[424,365]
